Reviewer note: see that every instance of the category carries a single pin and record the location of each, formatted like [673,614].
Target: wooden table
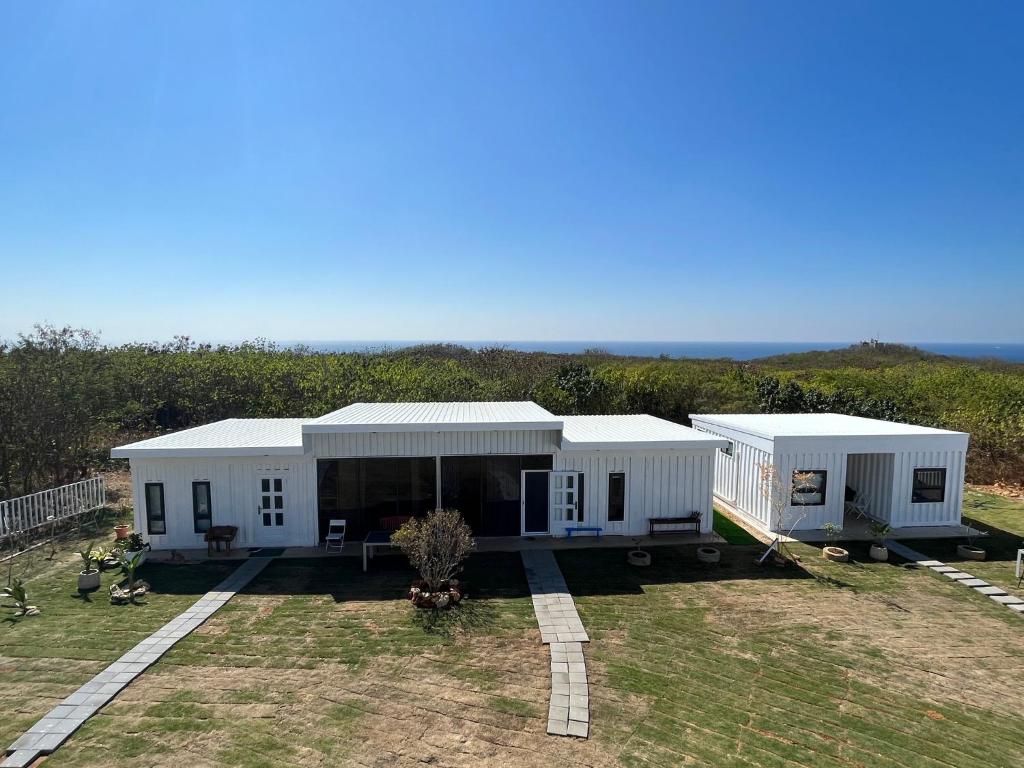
[373,540]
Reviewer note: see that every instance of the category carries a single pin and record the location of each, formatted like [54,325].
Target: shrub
[435,545]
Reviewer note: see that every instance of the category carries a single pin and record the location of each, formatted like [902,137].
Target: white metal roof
[431,417]
[632,433]
[231,437]
[772,425]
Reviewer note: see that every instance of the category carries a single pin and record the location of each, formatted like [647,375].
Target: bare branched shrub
[436,545]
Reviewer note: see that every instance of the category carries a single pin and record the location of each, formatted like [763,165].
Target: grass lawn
[731,531]
[317,664]
[44,658]
[1003,519]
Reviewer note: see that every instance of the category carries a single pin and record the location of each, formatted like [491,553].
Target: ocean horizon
[733,350]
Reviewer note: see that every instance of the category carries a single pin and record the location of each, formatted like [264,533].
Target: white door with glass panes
[271,509]
[565,507]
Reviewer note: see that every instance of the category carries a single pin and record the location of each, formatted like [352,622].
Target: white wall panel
[343,445]
[663,484]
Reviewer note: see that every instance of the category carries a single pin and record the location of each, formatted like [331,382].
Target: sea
[735,350]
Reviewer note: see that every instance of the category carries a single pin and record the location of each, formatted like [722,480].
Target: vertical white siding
[738,480]
[523,441]
[871,474]
[660,484]
[947,512]
[813,518]
[233,494]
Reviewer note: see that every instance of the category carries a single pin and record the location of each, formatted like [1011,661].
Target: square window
[727,450]
[809,486]
[929,486]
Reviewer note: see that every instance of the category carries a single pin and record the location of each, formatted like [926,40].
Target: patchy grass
[731,531]
[856,664]
[44,658]
[1003,520]
[859,664]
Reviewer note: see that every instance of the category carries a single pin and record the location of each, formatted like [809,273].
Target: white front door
[564,506]
[272,512]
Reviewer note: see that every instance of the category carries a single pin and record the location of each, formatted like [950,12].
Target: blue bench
[581,528]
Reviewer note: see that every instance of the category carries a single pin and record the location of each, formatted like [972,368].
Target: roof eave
[127,452]
[502,426]
[637,446]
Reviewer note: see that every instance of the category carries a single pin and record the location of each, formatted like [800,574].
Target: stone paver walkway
[68,716]
[563,632]
[980,586]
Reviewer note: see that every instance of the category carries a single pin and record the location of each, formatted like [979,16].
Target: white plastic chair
[859,506]
[335,535]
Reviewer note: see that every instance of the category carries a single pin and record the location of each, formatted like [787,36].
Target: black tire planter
[638,558]
[708,555]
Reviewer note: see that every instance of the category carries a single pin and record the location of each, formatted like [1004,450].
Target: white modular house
[510,468]
[830,466]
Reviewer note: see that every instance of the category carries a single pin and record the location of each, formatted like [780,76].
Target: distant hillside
[869,354]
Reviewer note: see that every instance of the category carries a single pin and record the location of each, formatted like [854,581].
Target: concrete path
[68,716]
[563,632]
[980,586]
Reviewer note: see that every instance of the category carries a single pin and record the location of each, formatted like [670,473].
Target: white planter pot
[969,552]
[131,554]
[881,554]
[835,554]
[87,582]
[708,555]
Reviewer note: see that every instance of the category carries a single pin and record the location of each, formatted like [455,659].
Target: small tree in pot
[879,531]
[436,547]
[89,577]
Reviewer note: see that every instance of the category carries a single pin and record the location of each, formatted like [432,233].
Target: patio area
[354,548]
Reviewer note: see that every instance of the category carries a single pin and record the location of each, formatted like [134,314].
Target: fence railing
[28,513]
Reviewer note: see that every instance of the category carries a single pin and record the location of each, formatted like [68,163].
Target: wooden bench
[581,528]
[219,534]
[692,519]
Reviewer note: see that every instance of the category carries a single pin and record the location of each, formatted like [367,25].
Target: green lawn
[859,664]
[1003,520]
[731,531]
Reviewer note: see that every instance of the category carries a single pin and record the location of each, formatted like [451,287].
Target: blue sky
[484,170]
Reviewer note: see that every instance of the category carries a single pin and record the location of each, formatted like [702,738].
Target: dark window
[361,491]
[616,497]
[202,514]
[486,490]
[156,521]
[809,487]
[929,485]
[728,449]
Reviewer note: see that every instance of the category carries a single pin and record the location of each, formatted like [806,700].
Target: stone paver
[562,631]
[980,586]
[60,722]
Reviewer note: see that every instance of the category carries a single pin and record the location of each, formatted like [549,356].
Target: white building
[511,469]
[904,475]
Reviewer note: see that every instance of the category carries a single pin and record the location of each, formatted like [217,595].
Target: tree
[436,545]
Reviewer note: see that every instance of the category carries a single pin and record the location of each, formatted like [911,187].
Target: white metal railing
[27,513]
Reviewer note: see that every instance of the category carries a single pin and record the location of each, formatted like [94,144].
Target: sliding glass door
[362,491]
[486,490]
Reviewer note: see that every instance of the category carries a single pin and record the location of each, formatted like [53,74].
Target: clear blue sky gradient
[485,170]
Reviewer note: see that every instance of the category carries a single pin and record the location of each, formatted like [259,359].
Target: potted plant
[830,551]
[16,592]
[436,546]
[121,531]
[89,577]
[637,556]
[135,545]
[127,591]
[879,531]
[970,551]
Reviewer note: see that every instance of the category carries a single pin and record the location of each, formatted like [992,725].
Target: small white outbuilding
[831,466]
